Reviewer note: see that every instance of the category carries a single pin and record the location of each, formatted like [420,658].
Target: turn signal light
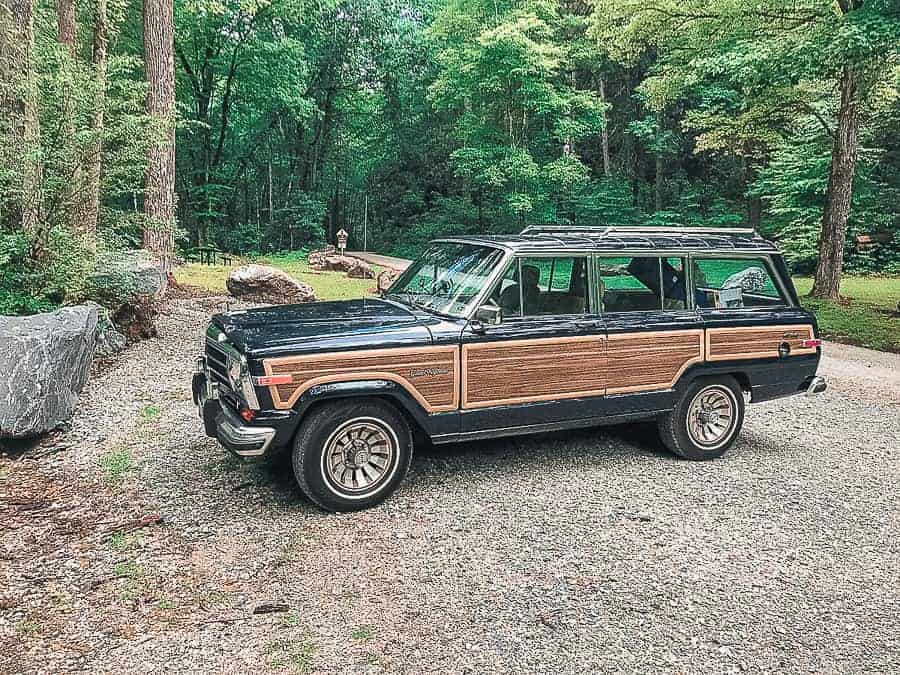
[809,344]
[269,380]
[247,415]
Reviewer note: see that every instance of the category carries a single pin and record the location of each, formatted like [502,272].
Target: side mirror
[489,315]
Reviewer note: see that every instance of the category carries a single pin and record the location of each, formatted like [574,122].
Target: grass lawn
[867,318]
[328,285]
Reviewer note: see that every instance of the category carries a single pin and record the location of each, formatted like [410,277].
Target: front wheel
[706,419]
[352,455]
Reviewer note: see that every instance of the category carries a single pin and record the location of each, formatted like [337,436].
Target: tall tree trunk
[271,201]
[21,134]
[72,204]
[754,202]
[65,24]
[658,182]
[159,183]
[754,212]
[88,225]
[604,135]
[838,196]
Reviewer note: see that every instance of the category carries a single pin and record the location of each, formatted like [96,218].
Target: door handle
[587,324]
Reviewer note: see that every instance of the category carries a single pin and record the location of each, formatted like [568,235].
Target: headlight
[239,375]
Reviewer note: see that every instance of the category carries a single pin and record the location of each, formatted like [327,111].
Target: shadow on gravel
[608,441]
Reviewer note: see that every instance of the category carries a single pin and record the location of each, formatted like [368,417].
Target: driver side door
[546,361]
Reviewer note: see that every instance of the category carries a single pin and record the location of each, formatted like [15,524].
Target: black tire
[673,426]
[323,432]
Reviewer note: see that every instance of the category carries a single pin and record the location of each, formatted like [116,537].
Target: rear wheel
[352,455]
[706,419]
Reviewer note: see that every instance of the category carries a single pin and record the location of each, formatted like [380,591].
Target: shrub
[20,281]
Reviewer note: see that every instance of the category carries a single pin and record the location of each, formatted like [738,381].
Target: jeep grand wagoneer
[555,328]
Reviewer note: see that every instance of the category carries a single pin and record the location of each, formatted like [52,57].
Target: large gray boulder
[121,277]
[130,284]
[261,283]
[45,360]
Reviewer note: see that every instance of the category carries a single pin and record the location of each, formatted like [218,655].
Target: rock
[339,263]
[386,278]
[130,284]
[46,360]
[342,263]
[316,259]
[120,277]
[361,270]
[109,340]
[260,283]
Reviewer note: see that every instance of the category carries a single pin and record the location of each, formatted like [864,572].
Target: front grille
[220,355]
[217,358]
[217,365]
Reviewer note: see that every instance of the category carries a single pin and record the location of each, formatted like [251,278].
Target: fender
[433,423]
[764,378]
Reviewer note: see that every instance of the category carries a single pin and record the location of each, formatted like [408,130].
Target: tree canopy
[417,118]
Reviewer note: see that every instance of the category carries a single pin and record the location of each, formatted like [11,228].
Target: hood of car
[280,330]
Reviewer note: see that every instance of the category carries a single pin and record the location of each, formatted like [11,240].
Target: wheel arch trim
[344,387]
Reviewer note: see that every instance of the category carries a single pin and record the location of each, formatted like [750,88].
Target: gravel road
[588,551]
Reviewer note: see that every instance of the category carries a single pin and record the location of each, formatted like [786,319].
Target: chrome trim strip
[547,426]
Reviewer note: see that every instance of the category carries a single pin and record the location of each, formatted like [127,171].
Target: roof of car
[540,238]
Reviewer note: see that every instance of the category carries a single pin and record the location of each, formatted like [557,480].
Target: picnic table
[207,255]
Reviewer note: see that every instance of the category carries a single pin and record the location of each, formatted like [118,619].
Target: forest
[259,126]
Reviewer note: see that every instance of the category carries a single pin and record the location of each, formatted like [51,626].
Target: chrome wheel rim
[359,457]
[711,416]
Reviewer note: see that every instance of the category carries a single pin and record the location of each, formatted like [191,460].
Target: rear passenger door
[546,361]
[653,332]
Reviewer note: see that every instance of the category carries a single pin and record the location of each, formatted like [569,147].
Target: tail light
[811,343]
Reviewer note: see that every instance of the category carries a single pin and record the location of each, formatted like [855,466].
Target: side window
[734,283]
[544,287]
[642,283]
[629,284]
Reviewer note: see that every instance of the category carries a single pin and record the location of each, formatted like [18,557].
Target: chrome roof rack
[603,230]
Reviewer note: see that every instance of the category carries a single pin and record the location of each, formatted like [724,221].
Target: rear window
[734,283]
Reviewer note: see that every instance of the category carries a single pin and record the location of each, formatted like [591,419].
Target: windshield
[447,278]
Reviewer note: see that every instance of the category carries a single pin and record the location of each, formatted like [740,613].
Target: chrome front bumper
[222,423]
[816,385]
[242,440]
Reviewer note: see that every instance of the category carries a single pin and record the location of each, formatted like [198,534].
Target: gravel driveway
[572,552]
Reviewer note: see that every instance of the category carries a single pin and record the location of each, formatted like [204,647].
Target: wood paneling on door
[429,374]
[652,360]
[521,371]
[756,342]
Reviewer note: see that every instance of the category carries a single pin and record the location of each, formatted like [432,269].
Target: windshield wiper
[411,302]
